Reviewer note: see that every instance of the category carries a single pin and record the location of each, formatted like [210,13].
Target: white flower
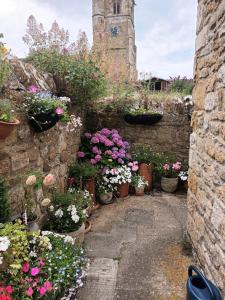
[51,208]
[69,239]
[75,218]
[33,254]
[59,213]
[4,243]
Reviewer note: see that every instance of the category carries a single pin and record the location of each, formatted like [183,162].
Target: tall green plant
[4,205]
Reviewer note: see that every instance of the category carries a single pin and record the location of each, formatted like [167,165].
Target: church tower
[114,37]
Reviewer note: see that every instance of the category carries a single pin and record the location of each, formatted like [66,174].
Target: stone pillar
[206,196]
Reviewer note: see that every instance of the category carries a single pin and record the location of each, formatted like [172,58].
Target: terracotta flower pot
[106,198]
[89,185]
[140,191]
[6,128]
[145,171]
[78,235]
[169,185]
[123,190]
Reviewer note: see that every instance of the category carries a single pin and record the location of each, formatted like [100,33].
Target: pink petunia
[59,111]
[30,292]
[42,291]
[35,271]
[81,154]
[26,267]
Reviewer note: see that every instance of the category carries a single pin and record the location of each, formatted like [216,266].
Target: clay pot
[6,128]
[106,198]
[139,191]
[123,190]
[89,185]
[169,185]
[78,235]
[145,171]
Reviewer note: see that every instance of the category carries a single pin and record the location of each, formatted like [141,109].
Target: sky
[165,29]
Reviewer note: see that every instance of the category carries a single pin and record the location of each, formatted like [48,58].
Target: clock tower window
[116,7]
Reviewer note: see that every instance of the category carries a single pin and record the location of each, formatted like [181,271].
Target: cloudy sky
[165,29]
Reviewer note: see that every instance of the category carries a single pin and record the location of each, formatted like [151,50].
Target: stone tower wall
[119,50]
[206,199]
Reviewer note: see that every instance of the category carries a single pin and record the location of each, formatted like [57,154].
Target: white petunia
[59,213]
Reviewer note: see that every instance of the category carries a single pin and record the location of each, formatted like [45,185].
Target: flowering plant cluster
[51,264]
[104,148]
[170,170]
[138,181]
[111,178]
[43,102]
[64,215]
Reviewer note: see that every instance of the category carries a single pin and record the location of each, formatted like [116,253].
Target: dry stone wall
[206,199]
[170,135]
[24,150]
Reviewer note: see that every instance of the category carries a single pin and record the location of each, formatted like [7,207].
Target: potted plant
[169,173]
[84,173]
[145,157]
[105,192]
[144,116]
[65,217]
[139,184]
[183,175]
[44,110]
[7,119]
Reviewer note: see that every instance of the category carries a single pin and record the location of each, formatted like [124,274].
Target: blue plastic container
[200,288]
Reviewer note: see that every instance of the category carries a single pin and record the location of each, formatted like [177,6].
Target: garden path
[136,250]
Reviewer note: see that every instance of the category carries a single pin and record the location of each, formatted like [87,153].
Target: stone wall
[24,150]
[206,199]
[170,135]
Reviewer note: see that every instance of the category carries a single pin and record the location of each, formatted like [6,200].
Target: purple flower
[114,131]
[81,154]
[105,131]
[108,143]
[88,135]
[59,111]
[93,161]
[114,156]
[120,161]
[33,89]
[95,140]
[98,158]
[126,144]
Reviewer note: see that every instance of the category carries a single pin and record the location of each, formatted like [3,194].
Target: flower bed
[40,265]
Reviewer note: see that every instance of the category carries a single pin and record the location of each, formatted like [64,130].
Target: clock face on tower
[114,31]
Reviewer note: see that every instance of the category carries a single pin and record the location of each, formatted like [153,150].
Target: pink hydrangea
[93,161]
[98,158]
[166,167]
[95,140]
[120,161]
[105,131]
[88,135]
[81,154]
[95,150]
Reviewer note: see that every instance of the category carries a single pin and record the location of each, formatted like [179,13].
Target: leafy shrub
[4,205]
[182,85]
[143,154]
[4,64]
[82,170]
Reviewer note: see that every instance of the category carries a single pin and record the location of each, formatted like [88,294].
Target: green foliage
[82,199]
[6,113]
[82,80]
[4,64]
[182,85]
[83,170]
[4,205]
[138,181]
[18,250]
[143,154]
[141,111]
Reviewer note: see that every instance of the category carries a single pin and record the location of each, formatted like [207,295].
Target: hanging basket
[43,121]
[143,119]
[6,128]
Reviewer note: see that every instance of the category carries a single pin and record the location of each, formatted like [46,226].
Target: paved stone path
[136,250]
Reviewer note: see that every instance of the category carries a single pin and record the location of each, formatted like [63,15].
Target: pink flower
[26,267]
[105,131]
[49,180]
[33,89]
[98,158]
[166,167]
[35,271]
[48,285]
[59,111]
[93,161]
[30,292]
[135,168]
[81,154]
[42,291]
[9,289]
[177,166]
[87,135]
[120,161]
[95,150]
[108,152]
[41,262]
[95,140]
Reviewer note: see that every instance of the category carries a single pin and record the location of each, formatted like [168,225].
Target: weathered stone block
[19,161]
